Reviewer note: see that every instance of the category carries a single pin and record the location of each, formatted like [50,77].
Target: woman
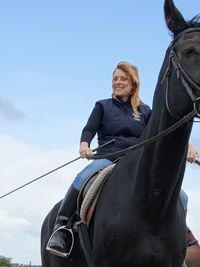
[122,117]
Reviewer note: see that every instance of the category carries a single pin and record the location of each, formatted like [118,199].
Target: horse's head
[182,68]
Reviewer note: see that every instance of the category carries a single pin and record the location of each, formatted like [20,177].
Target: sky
[56,60]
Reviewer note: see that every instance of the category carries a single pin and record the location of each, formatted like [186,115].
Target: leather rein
[188,84]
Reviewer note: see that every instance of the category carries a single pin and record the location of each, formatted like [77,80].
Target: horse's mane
[194,22]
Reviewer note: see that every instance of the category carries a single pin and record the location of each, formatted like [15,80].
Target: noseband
[188,84]
[186,80]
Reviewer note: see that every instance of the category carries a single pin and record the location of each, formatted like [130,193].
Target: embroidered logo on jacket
[135,117]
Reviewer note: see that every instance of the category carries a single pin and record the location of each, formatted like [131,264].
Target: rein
[172,128]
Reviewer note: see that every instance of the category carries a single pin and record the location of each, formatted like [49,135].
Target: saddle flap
[90,198]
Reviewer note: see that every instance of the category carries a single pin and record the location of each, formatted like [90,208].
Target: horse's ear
[174,19]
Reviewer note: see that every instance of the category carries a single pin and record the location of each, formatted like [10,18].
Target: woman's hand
[192,154]
[85,150]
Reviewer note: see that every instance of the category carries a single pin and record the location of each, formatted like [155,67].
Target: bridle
[189,86]
[186,80]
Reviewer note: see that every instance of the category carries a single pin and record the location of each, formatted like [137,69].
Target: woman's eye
[123,78]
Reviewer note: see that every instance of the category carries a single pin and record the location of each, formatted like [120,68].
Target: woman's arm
[89,131]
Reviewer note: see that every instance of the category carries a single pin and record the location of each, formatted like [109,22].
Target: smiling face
[122,85]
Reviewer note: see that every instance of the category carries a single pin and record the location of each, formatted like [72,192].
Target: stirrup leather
[57,252]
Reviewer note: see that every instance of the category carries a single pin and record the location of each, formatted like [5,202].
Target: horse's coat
[139,221]
[193,256]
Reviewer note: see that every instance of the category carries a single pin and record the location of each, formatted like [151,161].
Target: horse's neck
[161,166]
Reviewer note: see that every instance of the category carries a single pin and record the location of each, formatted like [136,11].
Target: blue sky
[57,59]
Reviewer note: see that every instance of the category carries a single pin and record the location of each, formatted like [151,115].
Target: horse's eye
[189,51]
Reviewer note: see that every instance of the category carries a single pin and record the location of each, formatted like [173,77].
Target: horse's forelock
[194,22]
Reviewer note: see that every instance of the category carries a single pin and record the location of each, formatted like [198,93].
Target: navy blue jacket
[112,118]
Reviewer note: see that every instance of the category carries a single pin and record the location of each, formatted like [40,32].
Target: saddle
[90,192]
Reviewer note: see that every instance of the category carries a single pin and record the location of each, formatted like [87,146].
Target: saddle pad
[93,193]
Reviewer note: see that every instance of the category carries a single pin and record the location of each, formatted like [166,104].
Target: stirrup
[57,252]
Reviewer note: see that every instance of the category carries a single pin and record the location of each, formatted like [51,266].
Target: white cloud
[22,212]
[7,222]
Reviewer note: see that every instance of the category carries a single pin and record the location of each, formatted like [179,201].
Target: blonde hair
[133,73]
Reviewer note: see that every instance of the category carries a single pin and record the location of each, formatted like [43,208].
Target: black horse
[139,220]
